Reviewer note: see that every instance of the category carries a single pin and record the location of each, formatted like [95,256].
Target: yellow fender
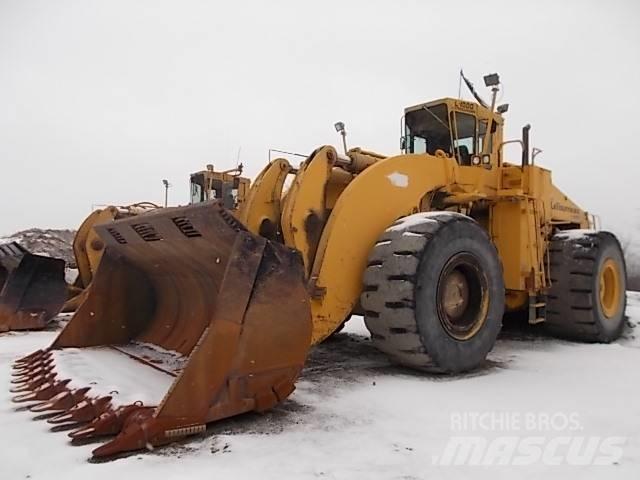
[261,210]
[304,211]
[389,189]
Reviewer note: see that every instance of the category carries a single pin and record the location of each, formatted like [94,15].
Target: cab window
[464,141]
[427,130]
[197,193]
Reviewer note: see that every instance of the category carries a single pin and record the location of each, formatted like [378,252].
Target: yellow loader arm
[260,212]
[320,181]
[304,212]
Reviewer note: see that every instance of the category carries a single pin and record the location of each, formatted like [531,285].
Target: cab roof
[459,105]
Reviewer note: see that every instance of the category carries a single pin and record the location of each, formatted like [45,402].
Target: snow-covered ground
[354,416]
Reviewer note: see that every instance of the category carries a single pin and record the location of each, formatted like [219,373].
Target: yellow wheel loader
[201,314]
[228,186]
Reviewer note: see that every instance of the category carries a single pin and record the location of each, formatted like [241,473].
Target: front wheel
[434,293]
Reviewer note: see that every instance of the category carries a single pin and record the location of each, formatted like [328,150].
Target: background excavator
[216,311]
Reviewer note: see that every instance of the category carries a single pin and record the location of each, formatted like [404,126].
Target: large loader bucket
[32,290]
[190,318]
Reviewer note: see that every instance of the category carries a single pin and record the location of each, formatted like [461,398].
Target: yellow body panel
[514,232]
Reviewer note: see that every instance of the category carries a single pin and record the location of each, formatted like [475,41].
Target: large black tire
[411,270]
[583,266]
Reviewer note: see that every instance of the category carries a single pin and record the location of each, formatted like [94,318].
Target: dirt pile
[49,242]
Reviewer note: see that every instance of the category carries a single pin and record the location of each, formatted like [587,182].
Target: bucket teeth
[43,363]
[29,358]
[44,392]
[62,402]
[85,411]
[109,423]
[31,385]
[138,431]
[29,377]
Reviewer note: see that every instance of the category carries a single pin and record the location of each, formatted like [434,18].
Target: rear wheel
[433,292]
[587,298]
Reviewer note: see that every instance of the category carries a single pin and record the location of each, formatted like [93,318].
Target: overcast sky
[101,100]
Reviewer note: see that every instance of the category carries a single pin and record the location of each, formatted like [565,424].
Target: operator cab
[453,128]
[228,187]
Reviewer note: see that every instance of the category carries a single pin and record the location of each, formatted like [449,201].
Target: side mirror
[403,143]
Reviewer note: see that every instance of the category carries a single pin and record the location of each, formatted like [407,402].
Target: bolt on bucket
[32,288]
[190,319]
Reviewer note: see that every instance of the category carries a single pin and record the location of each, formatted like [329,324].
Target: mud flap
[219,318]
[33,293]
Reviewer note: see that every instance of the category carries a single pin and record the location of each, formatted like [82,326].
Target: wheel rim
[462,296]
[610,288]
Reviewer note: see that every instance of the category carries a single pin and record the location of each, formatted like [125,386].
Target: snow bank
[354,416]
